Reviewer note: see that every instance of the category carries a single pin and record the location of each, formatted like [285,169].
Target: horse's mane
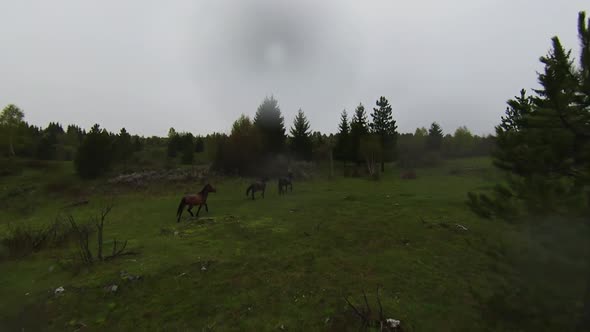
[205,187]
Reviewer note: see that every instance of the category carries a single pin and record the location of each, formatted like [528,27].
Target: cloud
[196,66]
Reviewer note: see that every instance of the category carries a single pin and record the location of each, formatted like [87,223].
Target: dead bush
[83,235]
[373,320]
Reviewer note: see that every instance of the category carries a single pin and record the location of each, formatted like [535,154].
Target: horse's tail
[180,208]
[249,189]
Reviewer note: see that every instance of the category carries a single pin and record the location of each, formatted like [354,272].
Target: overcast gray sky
[197,65]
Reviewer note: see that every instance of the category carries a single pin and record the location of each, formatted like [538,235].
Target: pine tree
[123,146]
[301,139]
[95,153]
[74,135]
[187,146]
[270,123]
[137,144]
[47,148]
[543,140]
[384,127]
[343,144]
[174,143]
[358,129]
[435,137]
[199,145]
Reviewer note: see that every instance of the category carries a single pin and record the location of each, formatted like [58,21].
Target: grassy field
[286,263]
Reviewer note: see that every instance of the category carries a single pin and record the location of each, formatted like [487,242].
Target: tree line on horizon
[249,143]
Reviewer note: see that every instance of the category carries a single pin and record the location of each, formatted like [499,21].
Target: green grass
[290,260]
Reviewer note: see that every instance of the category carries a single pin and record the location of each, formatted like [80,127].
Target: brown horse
[257,186]
[199,199]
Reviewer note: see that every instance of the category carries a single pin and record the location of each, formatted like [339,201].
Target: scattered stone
[461,227]
[141,179]
[393,323]
[51,268]
[282,327]
[59,290]
[327,320]
[126,276]
[176,233]
[111,288]
[204,265]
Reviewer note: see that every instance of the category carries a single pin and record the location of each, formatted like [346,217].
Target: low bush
[9,166]
[23,239]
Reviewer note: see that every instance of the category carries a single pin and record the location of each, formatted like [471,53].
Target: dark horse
[286,182]
[257,186]
[199,199]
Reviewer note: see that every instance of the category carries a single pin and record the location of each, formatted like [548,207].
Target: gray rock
[111,288]
[59,290]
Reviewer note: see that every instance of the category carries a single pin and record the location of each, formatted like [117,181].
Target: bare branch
[363,317]
[105,211]
[367,303]
[381,318]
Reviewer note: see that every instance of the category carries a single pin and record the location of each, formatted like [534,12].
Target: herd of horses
[200,199]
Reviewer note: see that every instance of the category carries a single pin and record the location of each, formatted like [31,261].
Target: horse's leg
[206,207]
[199,210]
[189,210]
